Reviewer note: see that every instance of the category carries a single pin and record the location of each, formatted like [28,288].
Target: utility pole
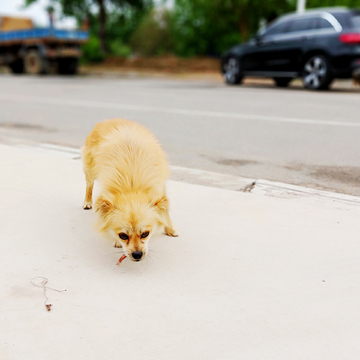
[301,6]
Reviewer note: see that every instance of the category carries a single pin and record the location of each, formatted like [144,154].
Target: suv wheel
[282,81]
[317,73]
[232,71]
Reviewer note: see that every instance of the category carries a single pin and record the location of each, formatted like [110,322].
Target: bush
[91,50]
[118,48]
[153,36]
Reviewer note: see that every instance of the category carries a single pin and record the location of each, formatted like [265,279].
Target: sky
[38,14]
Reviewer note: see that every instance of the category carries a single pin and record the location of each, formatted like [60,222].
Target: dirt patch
[294,166]
[166,64]
[344,174]
[235,162]
[21,126]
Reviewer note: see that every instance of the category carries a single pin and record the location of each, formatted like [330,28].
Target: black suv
[317,46]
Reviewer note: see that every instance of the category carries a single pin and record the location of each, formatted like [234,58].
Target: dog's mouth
[137,257]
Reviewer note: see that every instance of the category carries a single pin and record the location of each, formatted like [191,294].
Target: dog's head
[131,220]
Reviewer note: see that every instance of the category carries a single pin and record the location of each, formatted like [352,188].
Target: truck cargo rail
[43,33]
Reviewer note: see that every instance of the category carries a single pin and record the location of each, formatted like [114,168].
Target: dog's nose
[137,255]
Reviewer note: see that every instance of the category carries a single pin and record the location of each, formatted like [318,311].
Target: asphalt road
[255,131]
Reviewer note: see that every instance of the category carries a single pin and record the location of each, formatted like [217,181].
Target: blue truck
[39,50]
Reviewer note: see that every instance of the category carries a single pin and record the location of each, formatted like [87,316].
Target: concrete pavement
[251,276]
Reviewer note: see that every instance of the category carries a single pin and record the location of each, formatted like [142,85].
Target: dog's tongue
[120,260]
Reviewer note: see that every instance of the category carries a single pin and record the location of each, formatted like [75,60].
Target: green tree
[153,34]
[98,10]
[211,26]
[331,3]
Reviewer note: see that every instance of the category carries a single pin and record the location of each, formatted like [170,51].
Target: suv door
[259,49]
[287,49]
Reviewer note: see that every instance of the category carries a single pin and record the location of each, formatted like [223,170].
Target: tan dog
[132,170]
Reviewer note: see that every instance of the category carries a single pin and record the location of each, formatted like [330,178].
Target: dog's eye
[123,236]
[145,234]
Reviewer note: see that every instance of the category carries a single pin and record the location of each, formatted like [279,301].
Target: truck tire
[17,67]
[68,66]
[34,63]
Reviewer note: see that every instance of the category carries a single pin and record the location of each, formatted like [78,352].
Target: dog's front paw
[117,245]
[171,231]
[87,205]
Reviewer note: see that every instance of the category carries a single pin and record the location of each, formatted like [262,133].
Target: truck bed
[50,34]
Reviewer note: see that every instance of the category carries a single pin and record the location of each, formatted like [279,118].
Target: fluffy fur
[131,167]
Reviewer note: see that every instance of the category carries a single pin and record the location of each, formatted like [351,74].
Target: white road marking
[216,114]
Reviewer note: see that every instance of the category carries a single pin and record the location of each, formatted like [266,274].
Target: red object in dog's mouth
[120,260]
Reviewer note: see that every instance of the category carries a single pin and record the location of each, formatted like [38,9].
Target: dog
[131,167]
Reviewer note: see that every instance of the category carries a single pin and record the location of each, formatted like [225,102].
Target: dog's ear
[102,206]
[162,203]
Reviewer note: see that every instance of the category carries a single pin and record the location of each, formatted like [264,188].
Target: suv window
[356,21]
[304,24]
[323,24]
[277,29]
[344,19]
